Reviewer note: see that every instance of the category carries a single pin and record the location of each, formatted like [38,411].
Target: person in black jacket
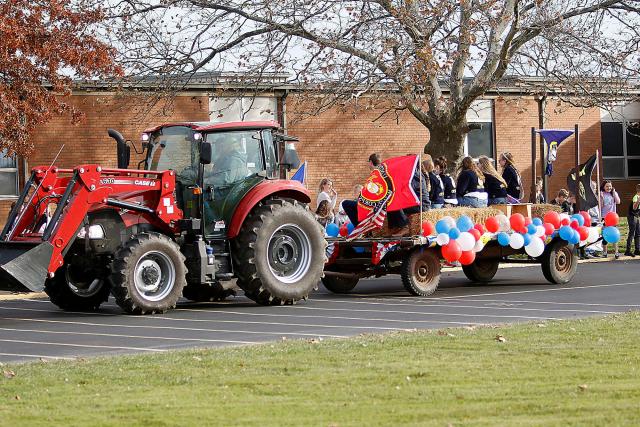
[436,192]
[633,217]
[494,184]
[447,181]
[470,185]
[511,175]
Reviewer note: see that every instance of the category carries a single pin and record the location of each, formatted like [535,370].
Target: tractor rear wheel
[78,287]
[279,253]
[148,274]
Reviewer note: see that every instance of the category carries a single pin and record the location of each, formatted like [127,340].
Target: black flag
[584,192]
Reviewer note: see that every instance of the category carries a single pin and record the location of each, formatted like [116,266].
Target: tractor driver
[230,165]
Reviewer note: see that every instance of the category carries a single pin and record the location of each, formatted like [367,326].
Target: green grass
[580,372]
[623,226]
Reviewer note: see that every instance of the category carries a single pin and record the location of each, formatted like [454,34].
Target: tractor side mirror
[206,153]
[290,158]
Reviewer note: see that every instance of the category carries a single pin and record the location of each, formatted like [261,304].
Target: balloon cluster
[459,240]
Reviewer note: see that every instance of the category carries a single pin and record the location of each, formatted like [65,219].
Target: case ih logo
[140,182]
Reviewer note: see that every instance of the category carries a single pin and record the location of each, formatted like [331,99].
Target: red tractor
[207,207]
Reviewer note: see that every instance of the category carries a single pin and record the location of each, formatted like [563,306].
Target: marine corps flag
[552,139]
[388,188]
[583,190]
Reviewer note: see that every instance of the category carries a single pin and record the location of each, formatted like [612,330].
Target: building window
[242,109]
[8,175]
[620,133]
[479,141]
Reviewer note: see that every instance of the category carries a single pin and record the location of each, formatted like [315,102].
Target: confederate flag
[388,188]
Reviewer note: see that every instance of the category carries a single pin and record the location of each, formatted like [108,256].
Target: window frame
[17,175]
[482,112]
[625,156]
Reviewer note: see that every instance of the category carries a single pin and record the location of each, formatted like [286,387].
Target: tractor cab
[217,164]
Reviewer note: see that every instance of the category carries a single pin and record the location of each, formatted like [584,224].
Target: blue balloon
[350,227]
[578,218]
[531,229]
[503,239]
[527,238]
[611,234]
[566,232]
[332,229]
[454,233]
[575,237]
[537,221]
[464,223]
[442,227]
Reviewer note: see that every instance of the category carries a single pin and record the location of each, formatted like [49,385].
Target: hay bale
[477,215]
[541,209]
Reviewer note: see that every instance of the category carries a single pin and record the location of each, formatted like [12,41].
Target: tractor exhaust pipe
[124,151]
[24,265]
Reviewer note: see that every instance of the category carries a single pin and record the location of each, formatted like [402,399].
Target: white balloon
[503,223]
[539,231]
[466,241]
[478,246]
[564,216]
[535,248]
[594,233]
[442,239]
[450,221]
[516,241]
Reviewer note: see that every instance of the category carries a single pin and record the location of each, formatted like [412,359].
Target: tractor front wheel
[279,253]
[148,274]
[77,286]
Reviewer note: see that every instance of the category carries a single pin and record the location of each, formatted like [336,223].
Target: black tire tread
[406,273]
[339,285]
[62,296]
[475,274]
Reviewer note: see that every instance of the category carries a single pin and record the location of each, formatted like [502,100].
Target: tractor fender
[269,188]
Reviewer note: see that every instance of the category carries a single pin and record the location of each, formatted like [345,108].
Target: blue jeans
[437,205]
[498,201]
[472,202]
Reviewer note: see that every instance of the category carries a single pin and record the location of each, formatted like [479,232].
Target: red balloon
[492,224]
[574,224]
[552,218]
[480,228]
[611,219]
[527,221]
[548,229]
[584,232]
[587,218]
[523,230]
[516,221]
[343,230]
[467,257]
[451,251]
[565,221]
[475,233]
[427,228]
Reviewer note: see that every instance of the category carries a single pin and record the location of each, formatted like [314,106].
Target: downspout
[542,101]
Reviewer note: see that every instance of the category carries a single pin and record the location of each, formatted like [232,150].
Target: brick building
[337,143]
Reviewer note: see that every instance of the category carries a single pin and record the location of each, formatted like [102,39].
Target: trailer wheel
[148,274]
[481,270]
[339,285]
[77,289]
[559,262]
[279,253]
[420,272]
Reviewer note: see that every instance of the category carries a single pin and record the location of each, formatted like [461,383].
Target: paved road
[32,328]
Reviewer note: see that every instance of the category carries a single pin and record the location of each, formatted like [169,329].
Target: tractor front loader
[207,208]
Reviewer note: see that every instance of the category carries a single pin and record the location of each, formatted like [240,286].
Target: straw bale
[541,209]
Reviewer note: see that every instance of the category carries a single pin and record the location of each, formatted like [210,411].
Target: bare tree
[435,56]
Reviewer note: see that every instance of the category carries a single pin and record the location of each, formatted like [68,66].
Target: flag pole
[532,196]
[598,184]
[420,173]
[577,147]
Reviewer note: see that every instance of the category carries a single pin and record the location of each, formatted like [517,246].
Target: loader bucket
[24,265]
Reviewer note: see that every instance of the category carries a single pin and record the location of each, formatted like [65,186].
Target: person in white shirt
[327,193]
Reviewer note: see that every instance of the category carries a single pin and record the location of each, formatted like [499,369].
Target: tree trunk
[447,140]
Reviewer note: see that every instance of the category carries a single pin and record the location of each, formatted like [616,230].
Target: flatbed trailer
[418,261]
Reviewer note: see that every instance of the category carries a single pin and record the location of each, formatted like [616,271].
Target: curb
[9,296]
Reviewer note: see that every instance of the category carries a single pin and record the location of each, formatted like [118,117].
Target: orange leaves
[43,44]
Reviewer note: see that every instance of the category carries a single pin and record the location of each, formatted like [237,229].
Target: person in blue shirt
[511,176]
[446,180]
[470,185]
[436,192]
[494,184]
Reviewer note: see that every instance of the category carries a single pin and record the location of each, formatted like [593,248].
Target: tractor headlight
[95,232]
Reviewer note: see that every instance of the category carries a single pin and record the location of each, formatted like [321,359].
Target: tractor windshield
[236,155]
[174,148]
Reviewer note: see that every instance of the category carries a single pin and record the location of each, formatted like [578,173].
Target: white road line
[157,318]
[177,328]
[128,336]
[37,356]
[551,302]
[155,350]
